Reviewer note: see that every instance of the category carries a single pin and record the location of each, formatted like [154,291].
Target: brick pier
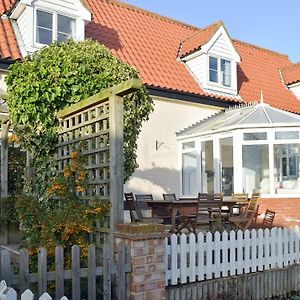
[145,246]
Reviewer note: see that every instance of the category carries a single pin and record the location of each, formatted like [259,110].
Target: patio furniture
[173,207]
[241,200]
[267,221]
[135,212]
[209,211]
[143,197]
[245,219]
[169,197]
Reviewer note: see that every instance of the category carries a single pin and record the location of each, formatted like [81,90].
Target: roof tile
[291,74]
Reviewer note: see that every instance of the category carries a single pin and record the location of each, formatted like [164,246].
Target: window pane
[256,169]
[253,136]
[44,19]
[213,69]
[44,36]
[286,169]
[226,72]
[65,27]
[189,173]
[188,145]
[44,27]
[285,135]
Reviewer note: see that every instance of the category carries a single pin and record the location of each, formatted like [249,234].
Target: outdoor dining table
[189,206]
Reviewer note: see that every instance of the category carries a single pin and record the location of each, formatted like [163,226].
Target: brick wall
[287,210]
[145,245]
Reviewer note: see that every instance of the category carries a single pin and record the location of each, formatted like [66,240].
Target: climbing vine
[58,76]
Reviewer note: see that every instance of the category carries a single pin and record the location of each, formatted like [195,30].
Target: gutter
[205,100]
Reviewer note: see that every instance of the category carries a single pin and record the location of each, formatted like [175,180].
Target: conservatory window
[255,136]
[220,71]
[189,169]
[53,27]
[286,135]
[286,161]
[256,169]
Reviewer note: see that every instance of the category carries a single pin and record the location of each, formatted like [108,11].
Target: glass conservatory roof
[258,115]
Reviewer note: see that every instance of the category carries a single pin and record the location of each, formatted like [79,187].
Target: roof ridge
[201,30]
[141,10]
[259,47]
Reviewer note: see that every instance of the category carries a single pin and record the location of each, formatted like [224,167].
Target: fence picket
[247,261]
[253,250]
[5,265]
[183,258]
[280,255]
[239,252]
[42,271]
[217,260]
[224,249]
[45,296]
[232,253]
[174,259]
[75,272]
[27,295]
[267,257]
[209,248]
[260,249]
[24,270]
[59,272]
[192,243]
[200,250]
[106,273]
[92,272]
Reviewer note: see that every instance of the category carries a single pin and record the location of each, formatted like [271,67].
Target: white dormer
[214,64]
[40,22]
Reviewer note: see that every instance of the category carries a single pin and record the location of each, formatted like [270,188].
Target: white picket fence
[190,258]
[7,293]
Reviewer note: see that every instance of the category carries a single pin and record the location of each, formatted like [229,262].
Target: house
[191,74]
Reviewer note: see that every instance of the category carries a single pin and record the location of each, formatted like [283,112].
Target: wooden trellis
[95,127]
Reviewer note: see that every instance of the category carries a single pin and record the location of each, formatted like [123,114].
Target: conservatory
[242,150]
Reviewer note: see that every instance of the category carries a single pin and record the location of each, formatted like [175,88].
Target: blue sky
[270,24]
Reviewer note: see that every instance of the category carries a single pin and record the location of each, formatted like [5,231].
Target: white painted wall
[159,170]
[295,88]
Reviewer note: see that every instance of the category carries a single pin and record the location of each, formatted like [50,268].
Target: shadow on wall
[154,181]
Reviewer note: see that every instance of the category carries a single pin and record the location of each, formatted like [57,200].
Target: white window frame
[219,72]
[54,25]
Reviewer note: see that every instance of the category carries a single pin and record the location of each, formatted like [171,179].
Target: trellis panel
[94,127]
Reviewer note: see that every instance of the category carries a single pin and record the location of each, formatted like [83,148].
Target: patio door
[207,167]
[226,157]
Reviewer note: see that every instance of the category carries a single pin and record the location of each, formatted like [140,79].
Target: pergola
[244,149]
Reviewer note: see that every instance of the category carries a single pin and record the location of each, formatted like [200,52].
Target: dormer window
[53,27]
[220,71]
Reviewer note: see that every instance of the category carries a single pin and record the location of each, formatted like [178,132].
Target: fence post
[145,245]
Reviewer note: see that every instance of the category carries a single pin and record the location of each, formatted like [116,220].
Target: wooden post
[4,175]
[116,160]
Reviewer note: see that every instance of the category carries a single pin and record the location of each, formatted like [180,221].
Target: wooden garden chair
[245,219]
[135,211]
[169,197]
[241,199]
[267,221]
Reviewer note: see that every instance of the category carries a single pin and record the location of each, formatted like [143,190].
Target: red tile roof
[291,74]
[8,45]
[198,39]
[151,43]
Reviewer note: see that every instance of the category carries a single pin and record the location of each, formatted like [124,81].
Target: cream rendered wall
[159,170]
[3,86]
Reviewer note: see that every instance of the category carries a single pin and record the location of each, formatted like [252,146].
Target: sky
[272,24]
